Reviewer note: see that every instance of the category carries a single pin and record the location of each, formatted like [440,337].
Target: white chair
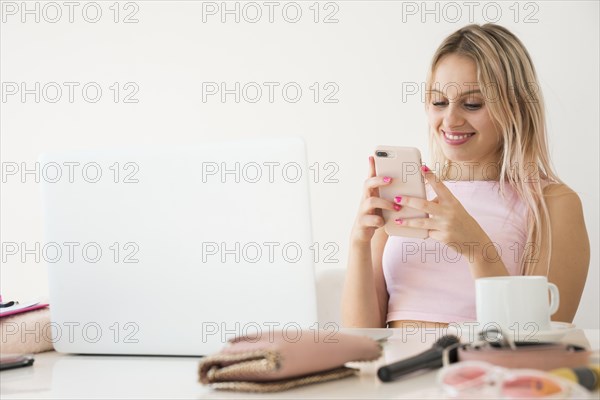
[330,283]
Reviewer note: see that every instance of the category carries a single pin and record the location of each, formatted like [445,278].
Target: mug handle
[554,298]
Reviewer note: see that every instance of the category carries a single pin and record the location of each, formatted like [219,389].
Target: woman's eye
[473,106]
[439,103]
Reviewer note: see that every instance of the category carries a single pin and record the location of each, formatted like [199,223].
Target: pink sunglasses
[476,379]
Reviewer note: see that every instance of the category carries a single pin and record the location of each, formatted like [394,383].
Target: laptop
[176,250]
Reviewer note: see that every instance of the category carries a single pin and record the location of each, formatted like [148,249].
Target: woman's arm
[365,297]
[570,257]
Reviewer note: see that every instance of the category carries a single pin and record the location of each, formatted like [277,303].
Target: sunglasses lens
[464,375]
[529,387]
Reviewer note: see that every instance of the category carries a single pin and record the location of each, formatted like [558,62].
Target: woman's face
[458,115]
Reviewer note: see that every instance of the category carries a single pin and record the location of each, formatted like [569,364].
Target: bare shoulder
[556,191]
[562,200]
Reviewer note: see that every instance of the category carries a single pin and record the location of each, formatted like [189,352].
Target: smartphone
[403,165]
[10,361]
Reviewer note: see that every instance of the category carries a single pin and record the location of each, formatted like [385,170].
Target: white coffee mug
[515,303]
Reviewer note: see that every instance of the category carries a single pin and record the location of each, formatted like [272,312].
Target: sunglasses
[476,379]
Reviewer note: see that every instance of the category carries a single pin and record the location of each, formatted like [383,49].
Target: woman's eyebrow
[462,93]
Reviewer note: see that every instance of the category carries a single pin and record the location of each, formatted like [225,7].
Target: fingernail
[425,168]
[398,199]
[387,179]
[397,207]
[398,221]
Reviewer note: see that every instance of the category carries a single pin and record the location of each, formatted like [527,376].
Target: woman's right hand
[369,216]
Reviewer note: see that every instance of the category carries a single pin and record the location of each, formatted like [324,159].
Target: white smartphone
[403,165]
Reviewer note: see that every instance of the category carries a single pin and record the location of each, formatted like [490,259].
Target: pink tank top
[429,281]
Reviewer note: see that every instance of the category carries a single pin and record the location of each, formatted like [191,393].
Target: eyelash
[470,106]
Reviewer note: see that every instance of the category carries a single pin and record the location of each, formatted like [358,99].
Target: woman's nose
[453,117]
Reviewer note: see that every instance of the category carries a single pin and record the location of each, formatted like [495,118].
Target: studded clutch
[280,360]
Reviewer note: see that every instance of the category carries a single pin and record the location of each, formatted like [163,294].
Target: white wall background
[373,50]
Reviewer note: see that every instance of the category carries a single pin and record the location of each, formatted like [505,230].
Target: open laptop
[175,250]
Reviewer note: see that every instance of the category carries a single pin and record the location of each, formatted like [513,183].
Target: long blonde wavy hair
[509,84]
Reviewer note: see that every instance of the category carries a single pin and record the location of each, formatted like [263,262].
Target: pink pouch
[275,361]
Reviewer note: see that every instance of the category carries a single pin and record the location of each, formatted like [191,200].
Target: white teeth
[457,137]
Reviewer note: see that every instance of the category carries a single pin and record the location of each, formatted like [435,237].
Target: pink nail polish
[397,207]
[399,221]
[387,179]
[425,168]
[398,199]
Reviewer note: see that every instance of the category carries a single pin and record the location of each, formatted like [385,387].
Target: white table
[56,375]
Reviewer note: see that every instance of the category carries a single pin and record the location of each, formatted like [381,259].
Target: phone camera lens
[381,154]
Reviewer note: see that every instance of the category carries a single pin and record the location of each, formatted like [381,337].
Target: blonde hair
[508,81]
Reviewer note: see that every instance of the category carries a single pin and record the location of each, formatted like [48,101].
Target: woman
[493,200]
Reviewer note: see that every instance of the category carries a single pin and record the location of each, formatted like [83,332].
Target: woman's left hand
[448,221]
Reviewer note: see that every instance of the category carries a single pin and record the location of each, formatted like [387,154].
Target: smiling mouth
[457,135]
